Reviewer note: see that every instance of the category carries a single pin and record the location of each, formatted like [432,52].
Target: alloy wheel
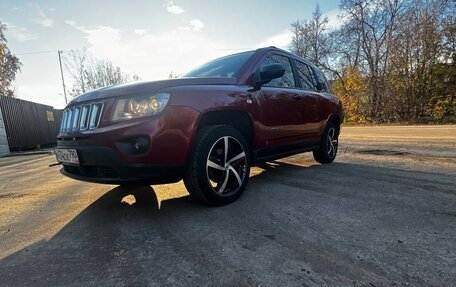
[332,142]
[226,166]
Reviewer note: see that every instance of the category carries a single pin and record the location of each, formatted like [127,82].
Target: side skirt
[269,154]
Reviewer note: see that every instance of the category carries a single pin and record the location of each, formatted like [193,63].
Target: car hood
[153,86]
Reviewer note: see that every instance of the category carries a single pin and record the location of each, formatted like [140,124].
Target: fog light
[140,145]
[135,145]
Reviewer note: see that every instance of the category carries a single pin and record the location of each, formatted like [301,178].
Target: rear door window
[306,76]
[321,80]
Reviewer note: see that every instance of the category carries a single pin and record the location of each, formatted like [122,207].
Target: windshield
[222,67]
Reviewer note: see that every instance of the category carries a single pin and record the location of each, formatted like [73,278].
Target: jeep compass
[207,127]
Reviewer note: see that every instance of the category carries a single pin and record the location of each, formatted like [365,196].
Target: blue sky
[147,38]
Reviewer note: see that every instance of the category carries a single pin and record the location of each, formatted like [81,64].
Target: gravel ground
[383,214]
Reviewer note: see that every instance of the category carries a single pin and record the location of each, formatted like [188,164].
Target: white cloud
[19,33]
[175,9]
[197,25]
[43,20]
[140,31]
[51,9]
[172,8]
[71,23]
[281,40]
[152,56]
[334,19]
[100,37]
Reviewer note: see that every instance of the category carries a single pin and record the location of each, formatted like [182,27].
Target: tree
[390,60]
[90,74]
[313,40]
[352,90]
[373,23]
[172,75]
[309,38]
[9,65]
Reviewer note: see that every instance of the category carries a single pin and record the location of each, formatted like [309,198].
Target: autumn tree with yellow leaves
[9,65]
[389,61]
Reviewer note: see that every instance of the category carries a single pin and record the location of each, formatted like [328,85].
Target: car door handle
[297,97]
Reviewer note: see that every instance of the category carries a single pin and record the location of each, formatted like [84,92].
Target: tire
[329,144]
[215,176]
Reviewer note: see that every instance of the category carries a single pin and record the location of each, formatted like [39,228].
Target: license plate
[67,156]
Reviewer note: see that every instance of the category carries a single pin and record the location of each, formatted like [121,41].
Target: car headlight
[140,106]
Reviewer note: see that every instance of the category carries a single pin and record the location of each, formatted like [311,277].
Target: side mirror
[267,74]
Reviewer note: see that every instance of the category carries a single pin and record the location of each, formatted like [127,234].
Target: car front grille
[82,117]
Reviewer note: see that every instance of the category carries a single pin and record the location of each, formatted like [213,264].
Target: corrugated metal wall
[4,148]
[29,124]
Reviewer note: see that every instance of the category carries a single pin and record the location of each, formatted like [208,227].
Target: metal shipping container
[29,125]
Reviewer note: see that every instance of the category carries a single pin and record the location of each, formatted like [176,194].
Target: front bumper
[103,161]
[103,165]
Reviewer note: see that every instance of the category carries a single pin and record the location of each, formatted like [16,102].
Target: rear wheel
[327,151]
[219,166]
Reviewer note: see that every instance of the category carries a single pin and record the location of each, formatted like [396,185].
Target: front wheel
[327,151]
[219,166]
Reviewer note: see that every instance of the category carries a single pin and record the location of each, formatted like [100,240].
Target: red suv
[207,127]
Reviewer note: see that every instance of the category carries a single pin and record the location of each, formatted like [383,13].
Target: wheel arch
[238,119]
[334,118]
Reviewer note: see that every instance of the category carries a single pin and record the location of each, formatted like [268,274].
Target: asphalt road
[383,214]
